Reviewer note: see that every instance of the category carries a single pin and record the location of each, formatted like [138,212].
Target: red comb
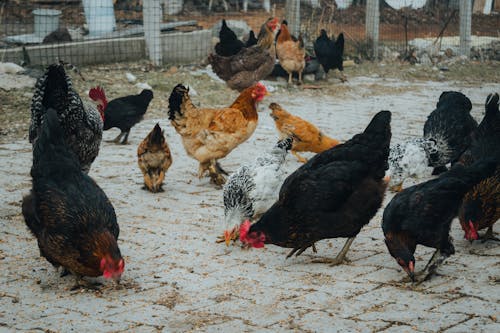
[97,93]
[244,227]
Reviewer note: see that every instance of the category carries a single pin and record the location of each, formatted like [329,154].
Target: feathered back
[372,147]
[454,98]
[175,100]
[50,148]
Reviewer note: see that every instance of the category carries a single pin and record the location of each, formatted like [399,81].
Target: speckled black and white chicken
[252,189]
[81,123]
[409,159]
[450,127]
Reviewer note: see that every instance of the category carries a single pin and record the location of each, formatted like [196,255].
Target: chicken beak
[411,271]
[227,237]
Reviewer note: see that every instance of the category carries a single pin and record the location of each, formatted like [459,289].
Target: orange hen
[306,136]
[211,134]
[290,53]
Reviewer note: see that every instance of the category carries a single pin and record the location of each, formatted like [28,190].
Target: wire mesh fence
[99,31]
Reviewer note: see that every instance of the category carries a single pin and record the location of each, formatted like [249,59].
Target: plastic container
[46,21]
[100,16]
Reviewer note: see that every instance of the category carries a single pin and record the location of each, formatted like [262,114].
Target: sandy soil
[178,279]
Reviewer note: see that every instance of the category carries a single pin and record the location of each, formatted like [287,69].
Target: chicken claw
[340,258]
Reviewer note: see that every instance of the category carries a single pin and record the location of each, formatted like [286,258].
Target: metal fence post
[152,18]
[372,25]
[292,15]
[465,27]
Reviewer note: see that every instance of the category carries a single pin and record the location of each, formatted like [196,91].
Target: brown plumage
[154,159]
[71,217]
[306,136]
[251,64]
[211,134]
[290,53]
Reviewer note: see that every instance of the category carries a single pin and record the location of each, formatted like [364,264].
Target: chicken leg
[215,174]
[489,236]
[300,158]
[299,250]
[117,139]
[125,139]
[340,258]
[430,269]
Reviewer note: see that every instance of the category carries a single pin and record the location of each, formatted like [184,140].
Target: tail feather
[492,107]
[175,100]
[156,136]
[340,43]
[57,85]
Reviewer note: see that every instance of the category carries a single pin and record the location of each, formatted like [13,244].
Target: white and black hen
[409,159]
[252,189]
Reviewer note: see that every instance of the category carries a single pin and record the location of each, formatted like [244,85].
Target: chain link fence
[184,31]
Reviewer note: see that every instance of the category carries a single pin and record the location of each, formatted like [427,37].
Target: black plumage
[252,40]
[334,194]
[330,53]
[229,43]
[71,217]
[449,126]
[422,214]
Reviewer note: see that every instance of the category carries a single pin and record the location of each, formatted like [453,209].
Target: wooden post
[372,25]
[465,27]
[152,18]
[292,15]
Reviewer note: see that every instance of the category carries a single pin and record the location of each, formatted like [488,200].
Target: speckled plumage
[452,124]
[252,189]
[410,159]
[81,122]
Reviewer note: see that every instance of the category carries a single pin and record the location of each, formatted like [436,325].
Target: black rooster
[229,43]
[330,52]
[422,214]
[71,217]
[123,112]
[449,127]
[333,195]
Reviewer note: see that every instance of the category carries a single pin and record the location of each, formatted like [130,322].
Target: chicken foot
[215,174]
[125,139]
[117,139]
[80,283]
[298,250]
[489,236]
[430,269]
[300,158]
[340,258]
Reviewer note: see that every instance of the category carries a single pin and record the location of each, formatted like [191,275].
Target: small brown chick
[306,136]
[154,159]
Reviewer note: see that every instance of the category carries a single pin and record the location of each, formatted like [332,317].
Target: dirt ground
[177,279]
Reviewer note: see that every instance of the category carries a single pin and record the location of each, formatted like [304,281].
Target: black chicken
[330,53]
[252,40]
[229,43]
[71,217]
[480,207]
[422,214]
[81,123]
[333,195]
[123,112]
[449,127]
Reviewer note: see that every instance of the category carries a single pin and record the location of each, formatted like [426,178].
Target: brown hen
[306,136]
[211,134]
[154,159]
[251,64]
[290,53]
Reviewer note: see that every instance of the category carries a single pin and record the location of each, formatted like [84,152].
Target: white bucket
[46,21]
[100,16]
